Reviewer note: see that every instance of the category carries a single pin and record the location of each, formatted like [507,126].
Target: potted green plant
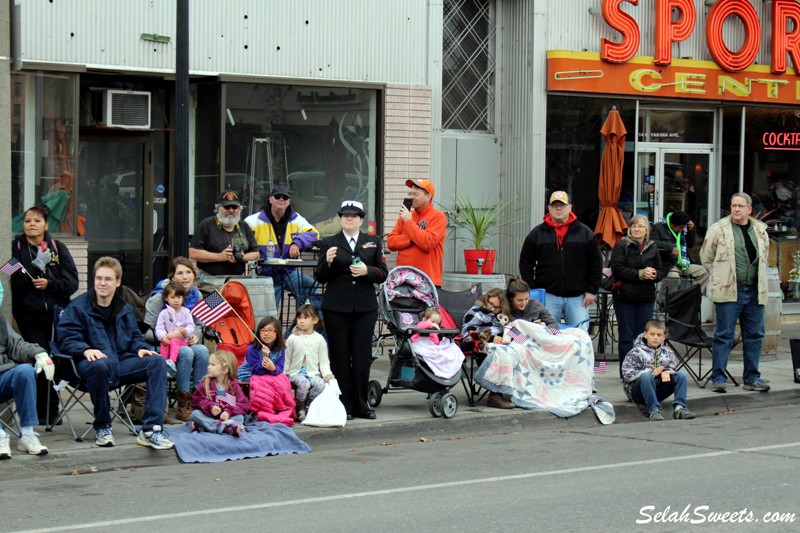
[481,223]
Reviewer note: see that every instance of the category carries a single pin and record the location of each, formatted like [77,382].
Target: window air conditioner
[126,109]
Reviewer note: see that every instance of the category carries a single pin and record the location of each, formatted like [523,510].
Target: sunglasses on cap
[280,196]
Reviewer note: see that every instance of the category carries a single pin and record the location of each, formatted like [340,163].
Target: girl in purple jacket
[219,403]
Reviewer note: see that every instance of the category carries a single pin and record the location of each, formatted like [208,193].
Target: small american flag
[227,397]
[554,331]
[516,335]
[211,308]
[11,266]
[599,367]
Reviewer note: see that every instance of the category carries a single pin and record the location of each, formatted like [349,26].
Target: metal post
[180,192]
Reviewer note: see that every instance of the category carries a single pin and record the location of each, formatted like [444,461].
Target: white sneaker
[30,444]
[5,449]
[104,438]
[154,438]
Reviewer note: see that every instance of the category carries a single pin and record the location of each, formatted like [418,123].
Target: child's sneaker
[154,438]
[172,370]
[5,449]
[233,430]
[682,413]
[104,438]
[31,445]
[656,416]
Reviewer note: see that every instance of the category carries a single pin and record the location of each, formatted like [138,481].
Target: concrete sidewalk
[403,416]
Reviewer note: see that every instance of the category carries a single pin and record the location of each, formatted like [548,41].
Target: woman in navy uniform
[351,263]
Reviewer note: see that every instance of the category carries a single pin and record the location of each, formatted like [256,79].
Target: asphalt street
[600,478]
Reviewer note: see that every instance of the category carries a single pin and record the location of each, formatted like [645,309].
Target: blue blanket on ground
[260,439]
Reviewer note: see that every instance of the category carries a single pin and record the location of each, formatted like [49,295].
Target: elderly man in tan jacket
[735,253]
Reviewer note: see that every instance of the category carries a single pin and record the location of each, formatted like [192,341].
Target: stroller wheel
[449,405]
[374,393]
[435,404]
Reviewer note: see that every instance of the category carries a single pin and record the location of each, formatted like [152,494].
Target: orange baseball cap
[420,183]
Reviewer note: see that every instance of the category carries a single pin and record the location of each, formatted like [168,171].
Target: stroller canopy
[409,282]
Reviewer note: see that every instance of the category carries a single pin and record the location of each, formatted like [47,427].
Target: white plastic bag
[327,410]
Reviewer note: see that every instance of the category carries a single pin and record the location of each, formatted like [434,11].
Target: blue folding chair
[539,295]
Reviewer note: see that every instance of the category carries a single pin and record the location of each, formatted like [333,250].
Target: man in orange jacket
[418,237]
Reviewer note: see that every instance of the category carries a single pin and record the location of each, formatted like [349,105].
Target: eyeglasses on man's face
[230,207]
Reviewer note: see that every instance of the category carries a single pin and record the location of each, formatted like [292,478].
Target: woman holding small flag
[45,277]
[193,359]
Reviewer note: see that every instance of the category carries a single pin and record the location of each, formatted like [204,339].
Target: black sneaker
[682,413]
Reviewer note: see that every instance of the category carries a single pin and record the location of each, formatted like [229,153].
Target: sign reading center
[669,30]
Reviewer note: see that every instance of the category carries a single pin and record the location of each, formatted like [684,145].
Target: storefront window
[772,165]
[43,130]
[575,147]
[676,126]
[320,141]
[730,162]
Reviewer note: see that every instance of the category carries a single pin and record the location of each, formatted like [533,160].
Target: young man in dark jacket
[561,256]
[99,330]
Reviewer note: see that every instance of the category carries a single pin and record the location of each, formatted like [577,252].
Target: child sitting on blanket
[219,403]
[271,397]
[440,354]
[649,374]
[525,308]
[483,316]
[307,363]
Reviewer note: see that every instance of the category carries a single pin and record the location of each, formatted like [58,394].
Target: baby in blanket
[440,354]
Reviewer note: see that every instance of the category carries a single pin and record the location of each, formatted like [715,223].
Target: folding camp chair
[70,384]
[457,304]
[684,328]
[8,417]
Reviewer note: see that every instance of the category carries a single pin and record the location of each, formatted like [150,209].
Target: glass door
[117,205]
[672,179]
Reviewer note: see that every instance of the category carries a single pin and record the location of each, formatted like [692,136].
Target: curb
[85,458]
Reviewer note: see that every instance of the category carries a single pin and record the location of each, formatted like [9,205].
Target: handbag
[327,411]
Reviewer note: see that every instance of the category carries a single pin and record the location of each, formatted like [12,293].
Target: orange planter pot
[471,257]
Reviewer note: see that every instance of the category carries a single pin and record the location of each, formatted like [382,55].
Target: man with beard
[289,233]
[221,245]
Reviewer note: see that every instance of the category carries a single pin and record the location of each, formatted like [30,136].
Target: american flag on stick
[211,308]
[10,266]
[599,367]
[227,397]
[516,335]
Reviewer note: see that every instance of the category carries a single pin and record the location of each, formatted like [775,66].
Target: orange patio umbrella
[611,225]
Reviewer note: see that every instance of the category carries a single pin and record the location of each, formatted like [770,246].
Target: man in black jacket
[674,237]
[561,256]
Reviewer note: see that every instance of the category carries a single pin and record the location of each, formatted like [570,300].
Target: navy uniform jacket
[343,292]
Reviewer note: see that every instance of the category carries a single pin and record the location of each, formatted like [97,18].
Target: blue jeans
[631,319]
[19,384]
[299,284]
[646,391]
[192,366]
[570,308]
[102,375]
[215,425]
[751,319]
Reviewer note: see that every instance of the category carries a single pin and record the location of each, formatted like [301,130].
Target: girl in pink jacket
[175,324]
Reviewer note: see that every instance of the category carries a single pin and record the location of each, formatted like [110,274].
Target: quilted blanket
[539,370]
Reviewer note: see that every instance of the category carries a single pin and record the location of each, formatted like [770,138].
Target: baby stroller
[235,330]
[405,296]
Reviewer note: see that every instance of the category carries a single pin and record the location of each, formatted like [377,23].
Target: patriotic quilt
[541,371]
